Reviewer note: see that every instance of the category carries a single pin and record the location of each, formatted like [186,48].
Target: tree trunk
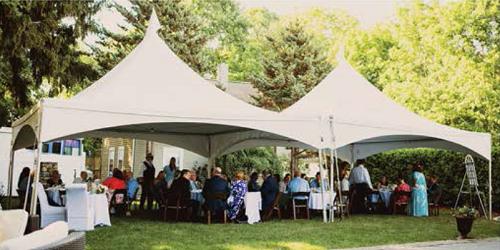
[293,159]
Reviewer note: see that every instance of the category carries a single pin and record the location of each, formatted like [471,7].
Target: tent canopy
[154,95]
[364,121]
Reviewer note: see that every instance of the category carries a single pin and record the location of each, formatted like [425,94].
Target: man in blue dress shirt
[297,184]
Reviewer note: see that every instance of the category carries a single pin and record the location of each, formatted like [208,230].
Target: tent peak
[154,24]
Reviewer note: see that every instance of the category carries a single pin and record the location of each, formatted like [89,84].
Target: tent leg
[36,179]
[489,191]
[332,187]
[320,155]
[10,178]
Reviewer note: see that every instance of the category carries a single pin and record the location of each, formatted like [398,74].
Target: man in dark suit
[216,191]
[181,188]
[269,190]
[148,177]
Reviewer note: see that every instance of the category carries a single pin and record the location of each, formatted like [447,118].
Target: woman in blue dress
[418,203]
[238,191]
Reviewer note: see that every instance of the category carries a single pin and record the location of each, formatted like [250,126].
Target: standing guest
[84,176]
[361,185]
[132,184]
[55,179]
[148,176]
[253,186]
[22,181]
[268,190]
[238,191]
[215,191]
[170,171]
[316,183]
[284,183]
[116,181]
[298,184]
[418,204]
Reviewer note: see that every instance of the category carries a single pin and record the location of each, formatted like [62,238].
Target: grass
[356,231]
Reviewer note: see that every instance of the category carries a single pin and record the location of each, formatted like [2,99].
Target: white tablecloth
[315,200]
[99,204]
[385,195]
[253,205]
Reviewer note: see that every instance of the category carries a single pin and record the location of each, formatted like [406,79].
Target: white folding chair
[48,213]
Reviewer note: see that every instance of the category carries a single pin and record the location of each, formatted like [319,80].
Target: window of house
[121,155]
[56,147]
[45,148]
[111,159]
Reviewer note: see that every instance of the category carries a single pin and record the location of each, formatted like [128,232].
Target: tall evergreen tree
[292,64]
[38,44]
[181,30]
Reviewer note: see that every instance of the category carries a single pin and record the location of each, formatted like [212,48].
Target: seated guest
[402,187]
[268,190]
[216,191]
[361,185]
[253,186]
[277,177]
[297,184]
[55,179]
[238,191]
[383,183]
[284,183]
[344,177]
[132,184]
[160,187]
[195,184]
[84,176]
[434,190]
[116,181]
[181,188]
[316,183]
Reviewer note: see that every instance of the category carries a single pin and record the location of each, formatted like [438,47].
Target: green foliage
[38,48]
[466,212]
[441,61]
[250,160]
[446,165]
[293,65]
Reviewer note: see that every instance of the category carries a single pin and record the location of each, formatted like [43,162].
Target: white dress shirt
[360,175]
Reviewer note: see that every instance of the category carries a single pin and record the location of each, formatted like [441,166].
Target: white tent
[364,121]
[153,95]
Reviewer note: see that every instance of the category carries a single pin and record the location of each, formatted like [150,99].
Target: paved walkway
[484,244]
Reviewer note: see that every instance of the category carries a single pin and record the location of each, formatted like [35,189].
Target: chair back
[42,196]
[216,196]
[119,197]
[300,194]
[77,200]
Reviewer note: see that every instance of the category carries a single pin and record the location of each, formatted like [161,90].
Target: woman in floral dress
[238,191]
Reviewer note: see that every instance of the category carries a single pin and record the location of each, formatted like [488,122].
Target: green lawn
[356,231]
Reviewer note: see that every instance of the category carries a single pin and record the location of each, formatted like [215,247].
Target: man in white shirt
[361,186]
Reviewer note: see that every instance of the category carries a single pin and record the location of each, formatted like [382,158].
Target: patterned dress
[238,191]
[418,204]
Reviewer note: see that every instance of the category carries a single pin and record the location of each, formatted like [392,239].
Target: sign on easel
[470,170]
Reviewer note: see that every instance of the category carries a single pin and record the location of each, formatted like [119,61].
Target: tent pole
[332,186]
[489,190]
[322,187]
[36,179]
[10,177]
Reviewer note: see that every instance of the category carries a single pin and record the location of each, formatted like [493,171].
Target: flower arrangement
[100,189]
[465,212]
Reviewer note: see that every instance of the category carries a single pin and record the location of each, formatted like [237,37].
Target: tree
[293,65]
[39,47]
[250,160]
[181,30]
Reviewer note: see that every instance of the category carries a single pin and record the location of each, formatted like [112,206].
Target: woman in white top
[284,183]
